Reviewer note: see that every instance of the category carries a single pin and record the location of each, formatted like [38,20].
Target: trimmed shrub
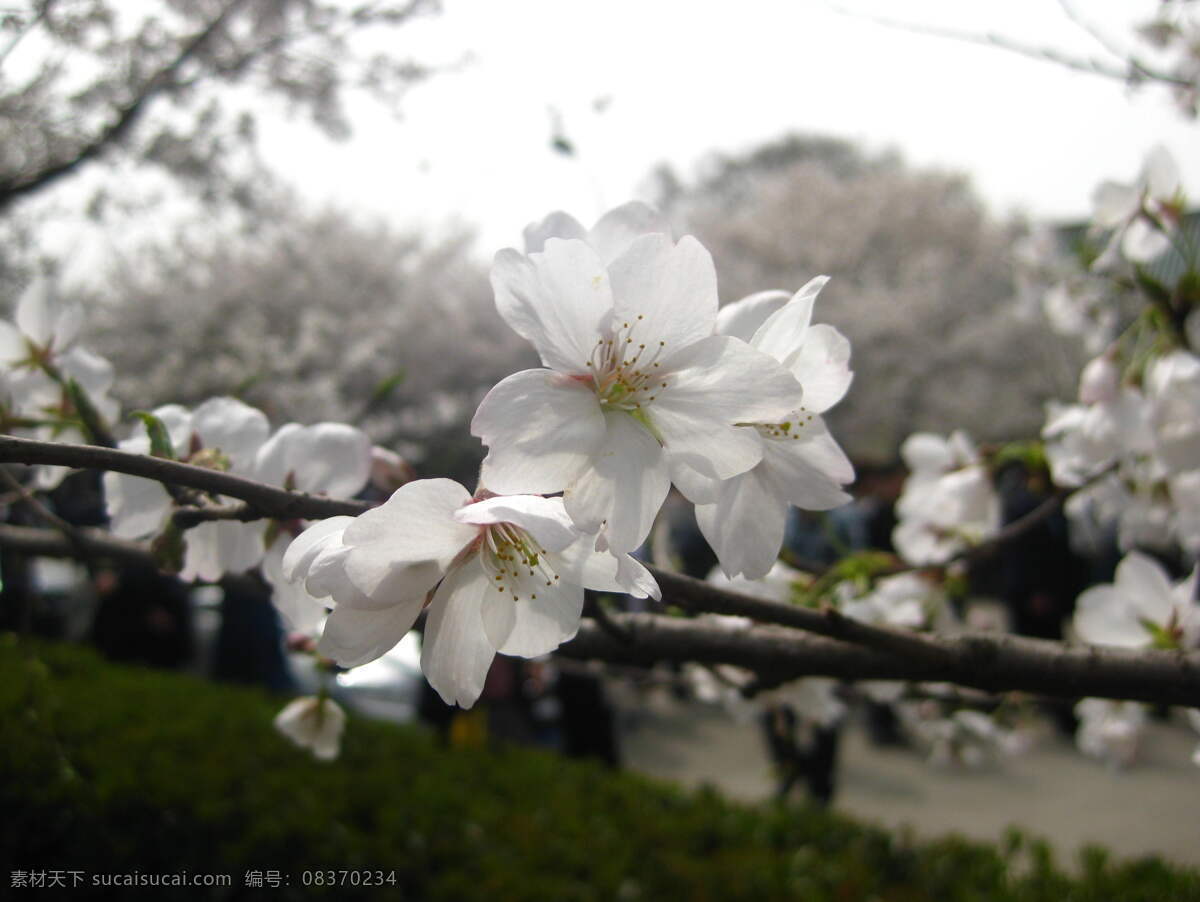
[114,770]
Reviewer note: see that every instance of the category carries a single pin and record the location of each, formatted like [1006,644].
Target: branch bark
[267,501]
[993,663]
[987,662]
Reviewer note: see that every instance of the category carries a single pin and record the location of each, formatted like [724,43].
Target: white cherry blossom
[1110,730]
[315,724]
[506,574]
[948,503]
[1141,215]
[906,601]
[223,433]
[1173,394]
[743,517]
[1141,608]
[635,383]
[39,355]
[323,459]
[609,237]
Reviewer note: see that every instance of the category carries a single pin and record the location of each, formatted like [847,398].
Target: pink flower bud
[389,470]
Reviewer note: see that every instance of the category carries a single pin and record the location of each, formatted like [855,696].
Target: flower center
[514,561]
[789,429]
[625,369]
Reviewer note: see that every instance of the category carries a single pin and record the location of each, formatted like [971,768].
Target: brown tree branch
[267,501]
[989,662]
[993,663]
[51,543]
[697,597]
[127,116]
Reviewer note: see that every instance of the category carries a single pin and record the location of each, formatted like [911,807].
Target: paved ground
[1053,790]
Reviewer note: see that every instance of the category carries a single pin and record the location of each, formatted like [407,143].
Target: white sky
[688,77]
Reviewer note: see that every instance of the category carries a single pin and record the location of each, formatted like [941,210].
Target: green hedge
[109,769]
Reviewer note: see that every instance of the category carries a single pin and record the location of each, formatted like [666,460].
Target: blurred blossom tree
[318,316]
[171,87]
[921,282]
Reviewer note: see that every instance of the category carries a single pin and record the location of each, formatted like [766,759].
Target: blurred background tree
[921,283]
[163,95]
[318,316]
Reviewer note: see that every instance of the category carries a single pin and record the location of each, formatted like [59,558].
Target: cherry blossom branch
[1130,70]
[993,663]
[51,543]
[1019,526]
[697,596]
[267,501]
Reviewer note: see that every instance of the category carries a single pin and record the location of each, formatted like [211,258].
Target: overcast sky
[678,80]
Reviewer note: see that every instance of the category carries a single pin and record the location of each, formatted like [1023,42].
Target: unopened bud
[389,470]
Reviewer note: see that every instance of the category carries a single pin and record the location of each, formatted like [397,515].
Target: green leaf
[1151,287]
[93,422]
[387,386]
[168,548]
[160,439]
[1187,292]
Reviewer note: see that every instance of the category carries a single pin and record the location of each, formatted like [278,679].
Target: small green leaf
[160,439]
[89,416]
[168,548]
[384,389]
[1151,287]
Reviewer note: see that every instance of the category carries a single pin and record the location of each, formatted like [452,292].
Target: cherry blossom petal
[315,724]
[94,374]
[136,507]
[1143,242]
[416,524]
[822,367]
[234,428]
[604,571]
[810,470]
[1160,173]
[711,386]
[556,300]
[457,654]
[1104,617]
[625,484]
[542,623]
[742,318]
[303,549]
[925,451]
[220,547]
[617,229]
[12,344]
[664,294]
[328,458]
[694,485]
[556,225]
[746,525]
[539,427]
[1143,580]
[1113,203]
[543,518]
[784,332]
[301,611]
[354,636]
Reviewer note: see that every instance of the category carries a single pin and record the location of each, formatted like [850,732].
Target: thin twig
[70,530]
[1132,70]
